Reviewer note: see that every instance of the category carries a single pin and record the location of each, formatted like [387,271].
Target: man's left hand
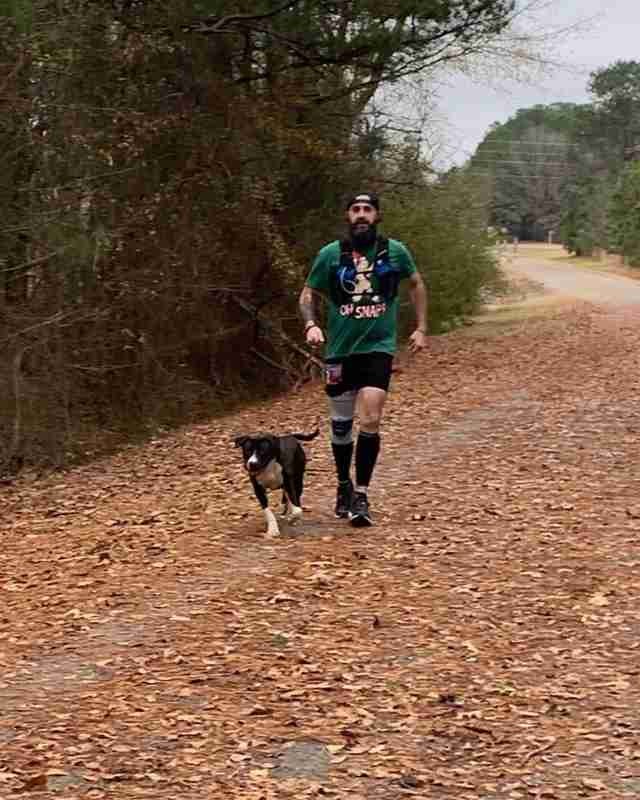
[417,341]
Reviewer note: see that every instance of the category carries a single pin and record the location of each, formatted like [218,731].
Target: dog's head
[258,450]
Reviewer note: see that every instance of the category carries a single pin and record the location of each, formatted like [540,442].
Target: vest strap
[346,250]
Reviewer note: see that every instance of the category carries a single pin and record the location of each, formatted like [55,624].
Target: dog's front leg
[294,510]
[270,517]
[285,505]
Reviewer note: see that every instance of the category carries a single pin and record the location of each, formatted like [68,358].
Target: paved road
[578,282]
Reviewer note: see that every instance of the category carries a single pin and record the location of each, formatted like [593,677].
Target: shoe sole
[360,521]
[344,515]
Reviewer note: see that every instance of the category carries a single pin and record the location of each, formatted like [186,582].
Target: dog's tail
[306,437]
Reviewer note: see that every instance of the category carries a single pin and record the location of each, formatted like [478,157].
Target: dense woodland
[170,167]
[571,171]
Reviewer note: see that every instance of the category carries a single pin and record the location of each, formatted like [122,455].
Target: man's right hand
[314,336]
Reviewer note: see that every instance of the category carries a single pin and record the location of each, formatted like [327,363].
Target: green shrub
[584,223]
[444,226]
[624,215]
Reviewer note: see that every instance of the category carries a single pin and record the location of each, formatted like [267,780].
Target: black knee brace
[341,431]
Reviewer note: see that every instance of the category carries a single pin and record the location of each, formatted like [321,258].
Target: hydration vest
[387,276]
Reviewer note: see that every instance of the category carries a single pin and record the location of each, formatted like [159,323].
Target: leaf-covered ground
[481,642]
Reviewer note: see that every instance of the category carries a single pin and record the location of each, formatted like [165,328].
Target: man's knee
[371,407]
[370,422]
[371,416]
[341,431]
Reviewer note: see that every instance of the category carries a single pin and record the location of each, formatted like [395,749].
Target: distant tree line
[570,170]
[169,169]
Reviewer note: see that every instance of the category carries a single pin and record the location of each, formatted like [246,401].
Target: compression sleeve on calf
[342,409]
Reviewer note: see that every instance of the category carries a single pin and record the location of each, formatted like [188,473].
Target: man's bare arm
[418,295]
[309,304]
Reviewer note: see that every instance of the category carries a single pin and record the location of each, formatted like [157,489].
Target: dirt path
[481,642]
[556,272]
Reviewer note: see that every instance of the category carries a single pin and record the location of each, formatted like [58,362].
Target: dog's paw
[295,512]
[272,524]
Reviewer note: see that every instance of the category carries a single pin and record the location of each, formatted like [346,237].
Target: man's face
[361,216]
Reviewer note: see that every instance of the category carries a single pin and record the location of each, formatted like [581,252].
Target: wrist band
[310,324]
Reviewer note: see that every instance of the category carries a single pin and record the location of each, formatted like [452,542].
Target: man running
[359,278]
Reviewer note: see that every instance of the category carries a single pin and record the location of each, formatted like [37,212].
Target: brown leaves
[480,641]
[595,785]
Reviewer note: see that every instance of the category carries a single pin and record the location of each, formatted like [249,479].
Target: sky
[586,35]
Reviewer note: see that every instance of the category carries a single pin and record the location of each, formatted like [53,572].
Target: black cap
[364,197]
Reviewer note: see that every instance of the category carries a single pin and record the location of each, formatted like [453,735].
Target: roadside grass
[607,263]
[524,300]
[495,320]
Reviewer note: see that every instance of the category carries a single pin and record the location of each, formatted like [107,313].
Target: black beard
[361,240]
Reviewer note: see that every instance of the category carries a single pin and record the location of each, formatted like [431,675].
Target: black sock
[367,449]
[342,454]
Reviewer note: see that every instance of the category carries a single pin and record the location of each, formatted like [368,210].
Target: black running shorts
[357,371]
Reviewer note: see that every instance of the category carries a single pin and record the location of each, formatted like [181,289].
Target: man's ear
[240,440]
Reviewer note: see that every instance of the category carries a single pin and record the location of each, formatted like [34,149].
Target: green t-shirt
[362,297]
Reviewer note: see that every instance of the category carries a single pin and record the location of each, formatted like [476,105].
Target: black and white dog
[276,462]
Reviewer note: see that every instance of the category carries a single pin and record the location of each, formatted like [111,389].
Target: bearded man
[358,277]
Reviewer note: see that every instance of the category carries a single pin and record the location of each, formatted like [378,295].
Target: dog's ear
[240,440]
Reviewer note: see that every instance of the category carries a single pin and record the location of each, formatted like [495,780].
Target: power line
[510,161]
[520,152]
[518,175]
[507,150]
[537,143]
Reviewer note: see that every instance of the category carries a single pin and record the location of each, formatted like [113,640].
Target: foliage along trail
[480,642]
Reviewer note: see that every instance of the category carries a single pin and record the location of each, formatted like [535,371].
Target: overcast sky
[609,31]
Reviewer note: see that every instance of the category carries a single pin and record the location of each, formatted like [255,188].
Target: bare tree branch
[220,24]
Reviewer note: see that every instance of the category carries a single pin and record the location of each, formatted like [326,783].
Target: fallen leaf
[596,785]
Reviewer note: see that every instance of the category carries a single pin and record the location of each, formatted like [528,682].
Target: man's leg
[342,409]
[371,402]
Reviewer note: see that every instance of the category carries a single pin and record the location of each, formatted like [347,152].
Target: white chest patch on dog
[271,476]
